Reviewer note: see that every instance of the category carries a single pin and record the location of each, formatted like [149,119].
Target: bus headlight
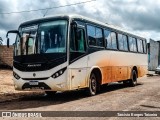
[16,75]
[58,73]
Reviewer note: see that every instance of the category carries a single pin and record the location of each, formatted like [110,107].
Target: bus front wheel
[92,90]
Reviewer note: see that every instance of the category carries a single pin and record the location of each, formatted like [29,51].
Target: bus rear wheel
[92,90]
[50,93]
[133,80]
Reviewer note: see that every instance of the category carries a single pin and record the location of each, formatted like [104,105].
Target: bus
[71,52]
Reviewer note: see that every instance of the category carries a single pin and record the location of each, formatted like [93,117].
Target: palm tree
[1,41]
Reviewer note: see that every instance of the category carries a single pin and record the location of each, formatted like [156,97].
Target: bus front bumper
[50,84]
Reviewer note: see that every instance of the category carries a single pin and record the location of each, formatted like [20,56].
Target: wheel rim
[93,84]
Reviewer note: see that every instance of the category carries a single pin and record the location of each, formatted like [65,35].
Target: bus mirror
[11,31]
[8,42]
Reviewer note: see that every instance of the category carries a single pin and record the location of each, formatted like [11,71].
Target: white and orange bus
[68,52]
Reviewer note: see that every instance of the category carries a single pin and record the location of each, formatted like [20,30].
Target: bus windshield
[47,37]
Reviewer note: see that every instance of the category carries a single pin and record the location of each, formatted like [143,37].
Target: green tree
[1,41]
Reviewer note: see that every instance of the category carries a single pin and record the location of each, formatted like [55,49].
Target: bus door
[78,58]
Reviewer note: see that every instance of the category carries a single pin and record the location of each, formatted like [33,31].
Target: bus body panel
[60,83]
[115,67]
[78,72]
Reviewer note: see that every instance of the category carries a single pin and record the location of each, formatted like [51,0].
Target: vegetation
[1,41]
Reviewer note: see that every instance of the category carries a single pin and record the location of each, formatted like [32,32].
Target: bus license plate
[33,83]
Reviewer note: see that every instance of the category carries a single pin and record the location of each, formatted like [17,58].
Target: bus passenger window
[110,37]
[132,44]
[122,40]
[131,47]
[125,43]
[144,46]
[140,47]
[99,37]
[91,35]
[114,40]
[95,36]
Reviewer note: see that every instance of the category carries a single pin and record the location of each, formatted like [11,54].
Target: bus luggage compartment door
[78,78]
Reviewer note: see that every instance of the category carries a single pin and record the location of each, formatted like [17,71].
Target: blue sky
[138,16]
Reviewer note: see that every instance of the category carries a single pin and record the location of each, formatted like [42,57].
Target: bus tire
[133,80]
[50,93]
[92,90]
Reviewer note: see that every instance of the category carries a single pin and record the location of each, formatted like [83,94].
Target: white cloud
[135,15]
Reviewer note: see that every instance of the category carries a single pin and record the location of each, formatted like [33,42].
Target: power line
[47,8]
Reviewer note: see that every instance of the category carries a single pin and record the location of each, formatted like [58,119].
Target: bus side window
[134,45]
[95,36]
[81,40]
[144,46]
[91,35]
[131,45]
[125,43]
[122,40]
[110,38]
[140,47]
[99,37]
[114,40]
[72,41]
[77,43]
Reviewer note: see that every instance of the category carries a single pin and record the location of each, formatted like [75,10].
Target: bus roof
[76,16]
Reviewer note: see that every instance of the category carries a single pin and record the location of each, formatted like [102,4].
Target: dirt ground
[115,97]
[7,91]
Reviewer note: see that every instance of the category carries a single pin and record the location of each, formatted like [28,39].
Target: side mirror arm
[12,31]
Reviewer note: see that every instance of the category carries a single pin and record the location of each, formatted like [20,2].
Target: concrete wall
[159,53]
[6,55]
[153,55]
